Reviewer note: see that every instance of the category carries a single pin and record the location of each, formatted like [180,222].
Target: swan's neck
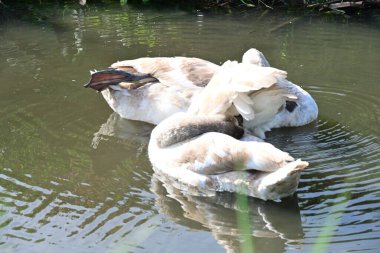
[182,127]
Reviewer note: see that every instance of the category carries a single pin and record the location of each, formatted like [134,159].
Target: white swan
[205,148]
[151,89]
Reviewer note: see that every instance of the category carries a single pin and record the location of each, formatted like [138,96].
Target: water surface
[74,176]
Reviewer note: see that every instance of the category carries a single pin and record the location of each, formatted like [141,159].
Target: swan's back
[181,71]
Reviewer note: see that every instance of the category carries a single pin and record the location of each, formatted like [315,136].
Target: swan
[206,148]
[151,89]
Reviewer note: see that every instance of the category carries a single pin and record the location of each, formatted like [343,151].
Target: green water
[74,177]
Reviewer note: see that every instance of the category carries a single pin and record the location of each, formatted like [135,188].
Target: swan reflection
[115,126]
[272,226]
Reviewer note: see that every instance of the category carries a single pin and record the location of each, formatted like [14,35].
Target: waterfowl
[151,89]
[205,148]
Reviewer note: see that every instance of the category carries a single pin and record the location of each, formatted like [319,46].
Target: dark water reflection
[75,177]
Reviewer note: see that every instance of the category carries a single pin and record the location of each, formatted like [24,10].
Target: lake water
[74,177]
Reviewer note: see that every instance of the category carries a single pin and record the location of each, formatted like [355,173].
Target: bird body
[152,89]
[205,148]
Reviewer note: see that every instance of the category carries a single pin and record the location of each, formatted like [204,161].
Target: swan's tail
[283,182]
[264,185]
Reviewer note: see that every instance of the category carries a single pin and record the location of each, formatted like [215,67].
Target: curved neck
[182,127]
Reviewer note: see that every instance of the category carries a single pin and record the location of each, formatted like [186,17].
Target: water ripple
[71,180]
[343,180]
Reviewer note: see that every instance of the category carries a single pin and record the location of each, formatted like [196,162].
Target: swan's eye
[290,106]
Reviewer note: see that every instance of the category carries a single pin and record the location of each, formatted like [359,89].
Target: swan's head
[295,112]
[254,56]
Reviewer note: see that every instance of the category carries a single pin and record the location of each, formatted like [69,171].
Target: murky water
[74,177]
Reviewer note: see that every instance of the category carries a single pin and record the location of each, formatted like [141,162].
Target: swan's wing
[231,84]
[215,153]
[203,144]
[249,77]
[244,105]
[216,97]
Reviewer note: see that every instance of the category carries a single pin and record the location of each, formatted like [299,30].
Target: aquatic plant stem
[331,223]
[243,221]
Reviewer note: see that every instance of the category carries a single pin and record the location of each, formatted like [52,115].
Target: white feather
[244,107]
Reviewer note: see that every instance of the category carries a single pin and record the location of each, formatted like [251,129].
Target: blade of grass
[243,219]
[244,225]
[331,224]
